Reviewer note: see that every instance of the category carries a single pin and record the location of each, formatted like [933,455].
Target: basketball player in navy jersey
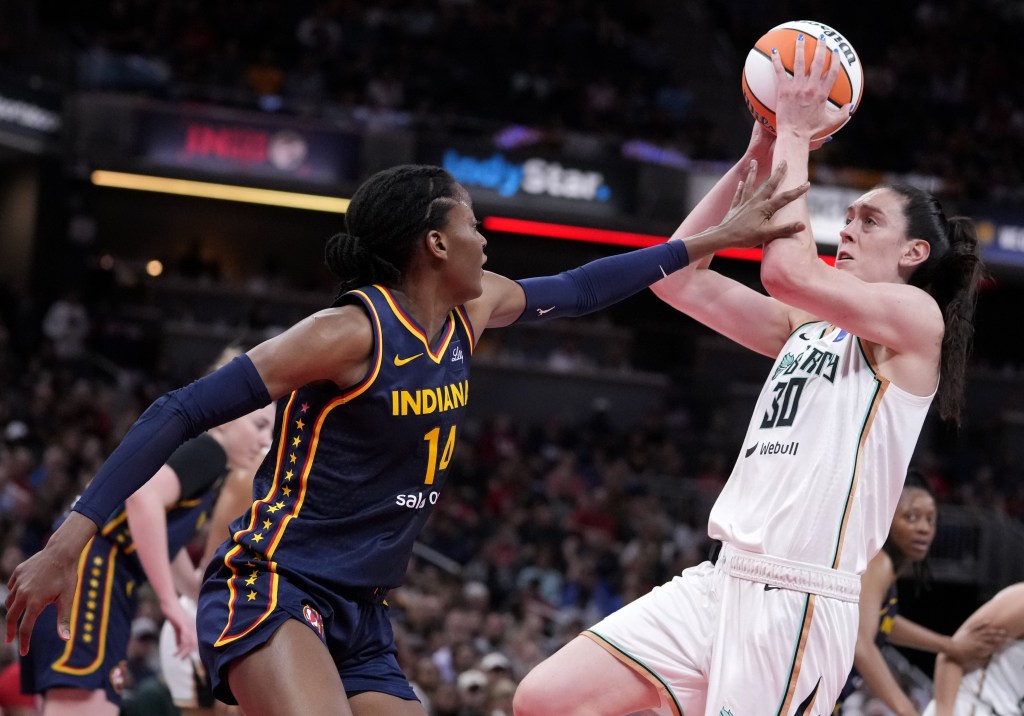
[770,626]
[371,393]
[85,675]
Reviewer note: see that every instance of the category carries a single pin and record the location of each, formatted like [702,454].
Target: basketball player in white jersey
[997,686]
[770,627]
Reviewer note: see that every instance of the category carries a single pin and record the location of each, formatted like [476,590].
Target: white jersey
[999,685]
[995,689]
[825,456]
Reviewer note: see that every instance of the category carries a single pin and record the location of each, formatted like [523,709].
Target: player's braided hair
[951,274]
[388,213]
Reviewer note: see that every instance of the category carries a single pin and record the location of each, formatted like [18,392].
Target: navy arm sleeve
[600,283]
[226,394]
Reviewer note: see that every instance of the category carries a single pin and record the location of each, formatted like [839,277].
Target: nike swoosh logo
[399,362]
[542,311]
[662,271]
[750,450]
[769,588]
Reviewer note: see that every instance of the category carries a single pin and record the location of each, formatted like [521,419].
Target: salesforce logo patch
[534,176]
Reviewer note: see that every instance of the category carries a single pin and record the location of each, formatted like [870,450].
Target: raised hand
[749,219]
[801,98]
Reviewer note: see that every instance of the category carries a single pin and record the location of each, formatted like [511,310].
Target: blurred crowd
[941,91]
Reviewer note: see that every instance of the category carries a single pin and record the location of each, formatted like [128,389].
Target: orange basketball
[759,85]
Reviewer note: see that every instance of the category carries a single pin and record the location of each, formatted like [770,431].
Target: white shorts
[719,644]
[180,674]
[965,705]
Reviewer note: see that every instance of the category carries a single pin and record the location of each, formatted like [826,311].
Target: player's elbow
[782,280]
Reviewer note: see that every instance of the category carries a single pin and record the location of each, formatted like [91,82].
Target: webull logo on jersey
[773,447]
[417,500]
[535,176]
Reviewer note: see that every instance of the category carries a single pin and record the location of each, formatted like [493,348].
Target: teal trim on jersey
[642,665]
[864,355]
[796,653]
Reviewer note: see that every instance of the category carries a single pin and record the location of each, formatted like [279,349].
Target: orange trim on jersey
[407,321]
[276,484]
[100,631]
[667,697]
[378,335]
[233,594]
[304,479]
[460,311]
[876,402]
[798,657]
[113,524]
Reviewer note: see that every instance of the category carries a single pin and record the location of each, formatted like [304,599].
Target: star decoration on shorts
[267,523]
[304,408]
[299,425]
[251,579]
[258,537]
[296,441]
[292,458]
[274,508]
[288,475]
[251,596]
[286,491]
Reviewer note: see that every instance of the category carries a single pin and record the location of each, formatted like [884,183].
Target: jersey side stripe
[798,655]
[61,664]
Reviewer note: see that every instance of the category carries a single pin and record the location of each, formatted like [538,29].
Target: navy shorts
[242,603]
[101,617]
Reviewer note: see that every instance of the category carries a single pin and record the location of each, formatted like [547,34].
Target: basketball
[759,75]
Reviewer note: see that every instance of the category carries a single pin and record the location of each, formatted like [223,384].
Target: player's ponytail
[955,287]
[951,274]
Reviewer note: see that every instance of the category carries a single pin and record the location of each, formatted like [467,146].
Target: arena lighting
[605,236]
[228,192]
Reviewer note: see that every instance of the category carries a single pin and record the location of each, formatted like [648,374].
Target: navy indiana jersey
[108,570]
[354,472]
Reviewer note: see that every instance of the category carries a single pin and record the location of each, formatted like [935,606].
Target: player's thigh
[77,702]
[372,703]
[784,651]
[292,673]
[584,676]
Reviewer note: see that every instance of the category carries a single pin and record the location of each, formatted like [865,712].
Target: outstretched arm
[603,282]
[969,645]
[332,345]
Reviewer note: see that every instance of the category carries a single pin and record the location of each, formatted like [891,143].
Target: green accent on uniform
[642,665]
